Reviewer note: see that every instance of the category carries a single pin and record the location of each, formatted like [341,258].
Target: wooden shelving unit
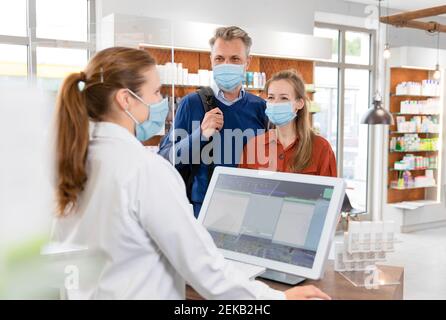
[195,60]
[395,194]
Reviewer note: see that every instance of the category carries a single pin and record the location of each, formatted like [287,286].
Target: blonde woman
[291,146]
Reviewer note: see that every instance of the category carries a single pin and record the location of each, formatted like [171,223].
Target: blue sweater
[247,113]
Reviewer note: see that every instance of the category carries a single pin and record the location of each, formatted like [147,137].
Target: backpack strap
[207,98]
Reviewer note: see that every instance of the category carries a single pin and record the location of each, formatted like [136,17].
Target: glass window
[334,36]
[332,76]
[357,47]
[64,20]
[13,18]
[355,153]
[53,64]
[325,122]
[13,63]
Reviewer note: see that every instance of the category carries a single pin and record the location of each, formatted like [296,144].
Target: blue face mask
[157,117]
[229,76]
[280,113]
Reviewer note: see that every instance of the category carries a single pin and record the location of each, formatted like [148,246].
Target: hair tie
[102,74]
[82,81]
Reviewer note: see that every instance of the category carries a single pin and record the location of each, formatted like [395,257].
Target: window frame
[342,66]
[32,42]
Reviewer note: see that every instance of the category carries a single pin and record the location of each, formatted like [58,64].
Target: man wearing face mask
[234,109]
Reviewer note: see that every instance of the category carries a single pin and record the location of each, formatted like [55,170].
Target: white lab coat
[134,210]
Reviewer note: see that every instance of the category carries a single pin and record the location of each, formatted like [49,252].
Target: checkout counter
[339,288]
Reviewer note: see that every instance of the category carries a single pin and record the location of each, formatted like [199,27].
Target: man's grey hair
[231,33]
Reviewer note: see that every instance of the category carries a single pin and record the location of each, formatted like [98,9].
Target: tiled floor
[423,255]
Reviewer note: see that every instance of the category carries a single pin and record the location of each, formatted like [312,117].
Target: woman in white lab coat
[130,205]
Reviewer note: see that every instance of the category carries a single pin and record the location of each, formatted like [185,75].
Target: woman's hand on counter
[305,293]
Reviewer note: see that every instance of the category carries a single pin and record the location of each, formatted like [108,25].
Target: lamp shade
[377,115]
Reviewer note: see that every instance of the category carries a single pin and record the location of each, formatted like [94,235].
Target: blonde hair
[108,71]
[231,33]
[303,152]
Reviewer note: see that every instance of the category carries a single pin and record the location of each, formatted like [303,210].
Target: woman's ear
[122,99]
[299,104]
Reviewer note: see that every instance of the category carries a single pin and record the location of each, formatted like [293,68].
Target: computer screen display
[271,219]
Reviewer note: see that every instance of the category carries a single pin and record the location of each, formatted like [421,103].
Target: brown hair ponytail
[88,96]
[72,141]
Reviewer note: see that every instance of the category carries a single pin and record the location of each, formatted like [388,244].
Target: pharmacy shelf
[198,86]
[413,151]
[415,114]
[412,188]
[422,169]
[414,132]
[411,96]
[412,205]
[399,75]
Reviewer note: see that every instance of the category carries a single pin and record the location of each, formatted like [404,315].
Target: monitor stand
[281,277]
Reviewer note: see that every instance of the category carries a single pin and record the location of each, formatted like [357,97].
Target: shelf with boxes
[418,116]
[189,69]
[424,185]
[183,71]
[412,142]
[423,88]
[417,124]
[408,166]
[430,106]
[415,139]
[412,162]
[174,74]
[416,169]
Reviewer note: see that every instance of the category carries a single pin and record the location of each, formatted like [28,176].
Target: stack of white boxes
[174,73]
[424,88]
[365,244]
[429,106]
